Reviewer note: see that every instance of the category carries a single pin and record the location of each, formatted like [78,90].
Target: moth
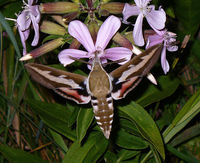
[99,87]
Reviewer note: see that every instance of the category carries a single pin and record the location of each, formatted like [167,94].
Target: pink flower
[155,18]
[30,14]
[168,39]
[107,30]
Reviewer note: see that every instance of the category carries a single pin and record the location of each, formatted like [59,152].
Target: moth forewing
[69,85]
[127,76]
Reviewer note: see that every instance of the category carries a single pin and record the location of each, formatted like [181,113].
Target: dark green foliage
[159,123]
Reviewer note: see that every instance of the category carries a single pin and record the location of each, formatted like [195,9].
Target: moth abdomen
[103,110]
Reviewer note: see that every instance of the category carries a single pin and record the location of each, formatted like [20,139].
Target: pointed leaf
[59,140]
[166,87]
[89,151]
[186,135]
[145,125]
[189,111]
[84,119]
[55,116]
[110,157]
[74,114]
[19,156]
[10,33]
[156,155]
[183,156]
[128,141]
[126,154]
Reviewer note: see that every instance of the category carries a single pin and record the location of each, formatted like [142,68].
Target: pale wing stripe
[59,79]
[135,68]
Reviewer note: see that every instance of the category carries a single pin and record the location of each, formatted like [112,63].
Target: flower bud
[122,41]
[90,3]
[45,48]
[52,28]
[69,17]
[76,1]
[112,7]
[75,44]
[129,36]
[93,28]
[59,19]
[105,1]
[58,7]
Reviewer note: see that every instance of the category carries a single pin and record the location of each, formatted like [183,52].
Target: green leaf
[145,125]
[1,47]
[128,141]
[195,48]
[19,156]
[182,156]
[126,154]
[189,111]
[186,135]
[50,37]
[169,11]
[55,116]
[10,33]
[10,66]
[190,18]
[22,87]
[156,155]
[127,125]
[91,150]
[166,87]
[74,109]
[110,157]
[84,119]
[59,140]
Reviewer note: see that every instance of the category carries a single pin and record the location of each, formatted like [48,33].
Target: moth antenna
[80,60]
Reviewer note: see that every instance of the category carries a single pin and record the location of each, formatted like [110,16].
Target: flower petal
[26,34]
[34,10]
[30,2]
[164,62]
[128,11]
[118,53]
[107,31]
[172,48]
[142,3]
[36,29]
[153,40]
[64,55]
[23,36]
[156,18]
[80,31]
[23,21]
[137,31]
[38,16]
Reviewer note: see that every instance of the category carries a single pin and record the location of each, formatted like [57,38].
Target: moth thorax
[103,110]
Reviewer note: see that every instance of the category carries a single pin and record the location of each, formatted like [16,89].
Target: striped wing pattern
[69,85]
[99,87]
[127,77]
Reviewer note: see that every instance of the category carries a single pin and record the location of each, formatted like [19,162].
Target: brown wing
[127,76]
[69,85]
